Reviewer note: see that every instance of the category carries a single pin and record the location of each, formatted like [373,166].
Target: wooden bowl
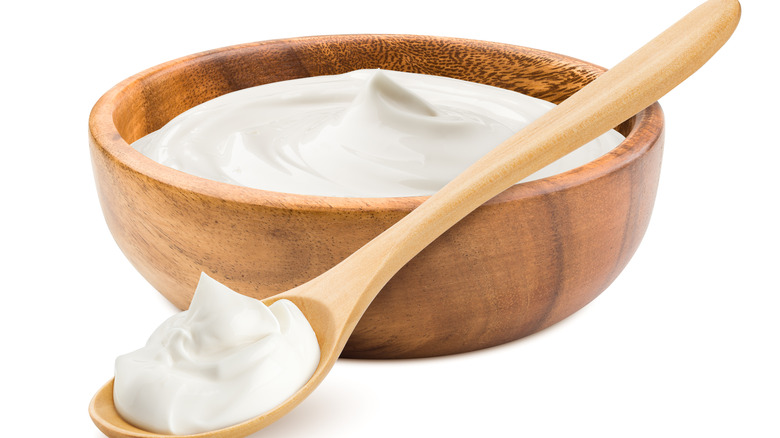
[525,260]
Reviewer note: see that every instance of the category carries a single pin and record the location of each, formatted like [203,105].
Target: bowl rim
[646,130]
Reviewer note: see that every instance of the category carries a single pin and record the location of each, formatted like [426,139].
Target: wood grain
[335,301]
[526,259]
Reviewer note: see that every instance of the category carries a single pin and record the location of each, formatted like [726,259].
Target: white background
[684,343]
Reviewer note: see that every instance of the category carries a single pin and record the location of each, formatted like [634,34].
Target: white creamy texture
[225,360]
[367,133]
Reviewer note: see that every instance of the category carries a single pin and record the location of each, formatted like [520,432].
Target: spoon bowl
[329,320]
[335,301]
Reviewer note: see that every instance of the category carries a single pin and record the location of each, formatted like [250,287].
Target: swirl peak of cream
[366,133]
[226,359]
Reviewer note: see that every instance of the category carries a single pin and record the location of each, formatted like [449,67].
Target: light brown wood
[526,259]
[335,301]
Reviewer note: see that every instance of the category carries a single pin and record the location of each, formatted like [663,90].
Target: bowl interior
[168,90]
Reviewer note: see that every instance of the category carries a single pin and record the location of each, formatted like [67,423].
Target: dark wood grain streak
[526,259]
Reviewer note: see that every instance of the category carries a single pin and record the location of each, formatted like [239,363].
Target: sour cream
[367,133]
[226,359]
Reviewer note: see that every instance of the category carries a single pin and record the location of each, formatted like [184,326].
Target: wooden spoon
[335,301]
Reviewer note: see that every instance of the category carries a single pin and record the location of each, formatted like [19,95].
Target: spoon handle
[612,98]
